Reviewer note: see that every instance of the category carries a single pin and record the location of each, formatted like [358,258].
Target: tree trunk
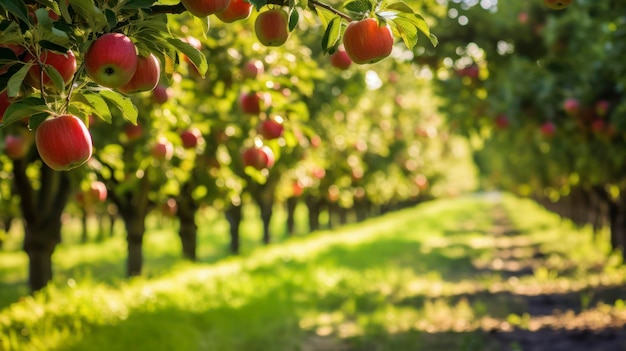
[84,237]
[41,211]
[266,207]
[292,203]
[39,245]
[188,230]
[135,228]
[313,205]
[617,215]
[233,215]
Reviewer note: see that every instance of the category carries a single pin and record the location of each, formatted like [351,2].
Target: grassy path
[481,272]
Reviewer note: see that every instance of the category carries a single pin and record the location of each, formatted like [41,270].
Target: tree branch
[315,3]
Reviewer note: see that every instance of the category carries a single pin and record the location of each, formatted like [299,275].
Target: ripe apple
[258,157]
[169,207]
[63,142]
[367,41]
[598,125]
[146,76]
[502,121]
[4,103]
[522,17]
[557,4]
[111,60]
[64,64]
[16,146]
[18,50]
[98,191]
[548,129]
[236,10]
[163,150]
[133,132]
[191,138]
[271,27]
[602,107]
[472,71]
[340,59]
[160,94]
[571,106]
[203,8]
[271,129]
[253,68]
[251,102]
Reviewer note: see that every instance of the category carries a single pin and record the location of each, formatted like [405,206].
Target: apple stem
[71,89]
[331,9]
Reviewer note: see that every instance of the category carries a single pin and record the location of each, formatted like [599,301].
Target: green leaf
[332,34]
[294,16]
[52,46]
[97,104]
[324,15]
[23,108]
[138,4]
[400,7]
[197,58]
[122,103]
[17,8]
[258,4]
[94,17]
[407,31]
[358,6]
[14,83]
[55,76]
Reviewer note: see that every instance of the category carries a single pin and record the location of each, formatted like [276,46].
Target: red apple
[236,10]
[191,137]
[253,68]
[502,121]
[133,132]
[271,129]
[146,76]
[319,173]
[472,71]
[64,64]
[111,60]
[4,103]
[163,150]
[340,59]
[98,191]
[271,27]
[203,8]
[598,125]
[252,102]
[63,142]
[16,146]
[160,94]
[258,157]
[367,41]
[571,106]
[548,129]
[522,17]
[602,107]
[169,207]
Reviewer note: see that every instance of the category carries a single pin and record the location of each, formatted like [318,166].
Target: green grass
[407,280]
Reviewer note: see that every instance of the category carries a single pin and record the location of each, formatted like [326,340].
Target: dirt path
[555,320]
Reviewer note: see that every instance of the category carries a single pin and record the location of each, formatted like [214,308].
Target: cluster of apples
[63,141]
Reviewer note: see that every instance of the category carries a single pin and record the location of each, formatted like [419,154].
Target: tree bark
[135,228]
[188,230]
[265,200]
[291,205]
[41,211]
[233,215]
[84,227]
[313,205]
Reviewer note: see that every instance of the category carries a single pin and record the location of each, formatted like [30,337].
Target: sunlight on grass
[393,282]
